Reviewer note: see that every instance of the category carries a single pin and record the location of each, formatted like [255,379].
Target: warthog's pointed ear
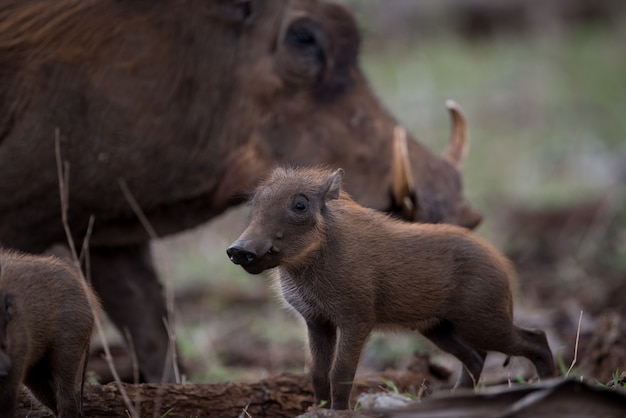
[318,49]
[402,185]
[458,146]
[332,186]
[301,55]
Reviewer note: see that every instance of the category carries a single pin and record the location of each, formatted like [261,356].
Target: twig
[134,362]
[580,320]
[84,251]
[86,257]
[245,413]
[63,169]
[421,390]
[63,173]
[133,355]
[171,350]
[169,293]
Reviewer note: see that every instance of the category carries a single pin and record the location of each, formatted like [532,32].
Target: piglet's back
[45,284]
[378,235]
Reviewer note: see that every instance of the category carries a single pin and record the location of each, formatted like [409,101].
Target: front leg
[132,297]
[351,342]
[322,341]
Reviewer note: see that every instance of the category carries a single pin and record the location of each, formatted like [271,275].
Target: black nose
[241,256]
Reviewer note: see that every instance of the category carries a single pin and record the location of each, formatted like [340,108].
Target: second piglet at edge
[349,270]
[46,320]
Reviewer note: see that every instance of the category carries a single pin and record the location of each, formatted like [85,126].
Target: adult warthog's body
[188,103]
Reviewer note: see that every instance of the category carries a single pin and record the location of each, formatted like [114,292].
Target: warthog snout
[241,256]
[253,254]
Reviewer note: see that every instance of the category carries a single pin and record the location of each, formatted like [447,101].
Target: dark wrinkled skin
[190,104]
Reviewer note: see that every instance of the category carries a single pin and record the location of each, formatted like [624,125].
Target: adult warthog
[188,103]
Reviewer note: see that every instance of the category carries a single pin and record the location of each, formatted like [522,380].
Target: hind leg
[68,398]
[533,345]
[473,360]
[66,367]
[40,382]
[506,338]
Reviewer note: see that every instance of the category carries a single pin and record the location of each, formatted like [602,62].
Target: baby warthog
[45,327]
[349,270]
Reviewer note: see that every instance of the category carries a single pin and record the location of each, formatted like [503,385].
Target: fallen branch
[285,395]
[290,395]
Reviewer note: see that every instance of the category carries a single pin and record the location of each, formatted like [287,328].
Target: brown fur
[45,326]
[349,270]
[191,103]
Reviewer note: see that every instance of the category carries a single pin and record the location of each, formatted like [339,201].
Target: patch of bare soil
[571,259]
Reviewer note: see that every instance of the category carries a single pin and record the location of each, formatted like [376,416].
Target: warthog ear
[458,146]
[332,185]
[301,50]
[402,185]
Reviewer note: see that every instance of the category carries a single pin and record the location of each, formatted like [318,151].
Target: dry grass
[63,172]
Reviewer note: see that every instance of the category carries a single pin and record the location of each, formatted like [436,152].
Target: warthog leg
[132,296]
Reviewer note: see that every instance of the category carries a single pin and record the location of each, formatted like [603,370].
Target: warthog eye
[301,37]
[300,206]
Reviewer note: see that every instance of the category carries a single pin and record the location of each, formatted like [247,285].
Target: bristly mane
[35,32]
[40,29]
[39,37]
[77,28]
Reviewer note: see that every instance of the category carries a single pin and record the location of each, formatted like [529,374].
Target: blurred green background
[544,94]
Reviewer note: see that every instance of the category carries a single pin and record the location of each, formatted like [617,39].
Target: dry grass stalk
[63,169]
[133,355]
[245,413]
[169,292]
[420,393]
[580,320]
[169,288]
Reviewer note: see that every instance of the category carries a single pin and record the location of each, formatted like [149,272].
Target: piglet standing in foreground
[45,326]
[349,270]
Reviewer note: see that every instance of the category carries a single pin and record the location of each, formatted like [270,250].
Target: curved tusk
[402,184]
[458,145]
